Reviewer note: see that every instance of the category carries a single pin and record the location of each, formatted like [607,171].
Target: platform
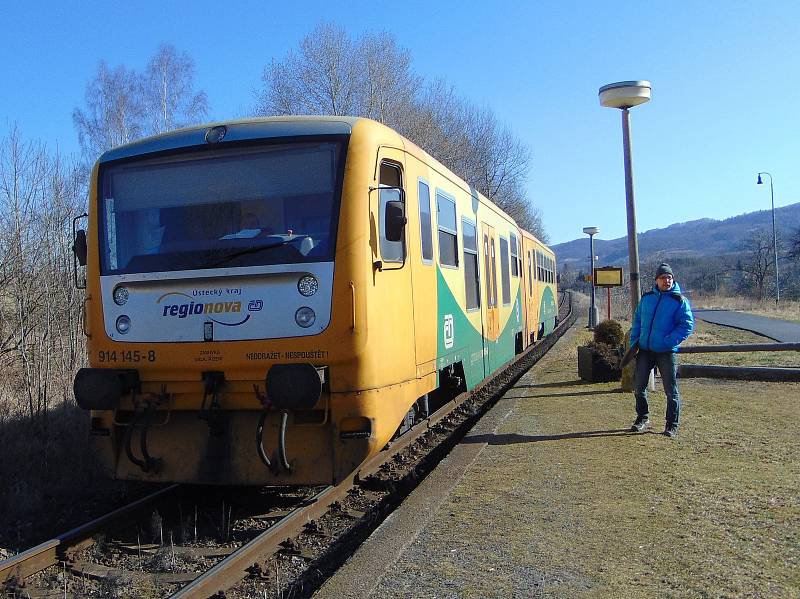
[551,496]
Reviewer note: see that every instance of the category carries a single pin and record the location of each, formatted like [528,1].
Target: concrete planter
[593,369]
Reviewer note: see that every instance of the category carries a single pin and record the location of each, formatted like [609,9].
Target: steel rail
[49,553]
[232,569]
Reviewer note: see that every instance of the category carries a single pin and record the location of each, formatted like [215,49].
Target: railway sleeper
[101,573]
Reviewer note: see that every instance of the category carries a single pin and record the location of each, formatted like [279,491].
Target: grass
[565,502]
[713,513]
[786,309]
[706,333]
[48,462]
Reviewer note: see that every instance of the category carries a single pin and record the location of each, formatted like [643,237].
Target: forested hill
[697,238]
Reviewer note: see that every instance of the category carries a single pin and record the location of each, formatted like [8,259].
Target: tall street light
[625,95]
[591,232]
[774,238]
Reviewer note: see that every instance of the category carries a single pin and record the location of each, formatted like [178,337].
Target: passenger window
[448,235]
[426,230]
[539,269]
[391,251]
[504,271]
[514,257]
[471,282]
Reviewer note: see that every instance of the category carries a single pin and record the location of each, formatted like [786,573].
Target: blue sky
[726,85]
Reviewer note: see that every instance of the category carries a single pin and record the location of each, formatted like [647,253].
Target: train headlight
[121,295]
[123,324]
[307,286]
[305,317]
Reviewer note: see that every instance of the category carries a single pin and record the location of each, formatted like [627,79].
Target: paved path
[784,331]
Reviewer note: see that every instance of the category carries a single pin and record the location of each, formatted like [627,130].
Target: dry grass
[602,512]
[564,502]
[50,478]
[786,309]
[706,333]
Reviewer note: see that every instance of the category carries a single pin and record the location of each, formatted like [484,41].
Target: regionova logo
[209,310]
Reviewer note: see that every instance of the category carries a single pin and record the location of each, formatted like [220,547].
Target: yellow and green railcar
[269,300]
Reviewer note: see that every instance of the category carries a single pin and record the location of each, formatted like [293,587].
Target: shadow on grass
[568,394]
[574,383]
[51,476]
[512,438]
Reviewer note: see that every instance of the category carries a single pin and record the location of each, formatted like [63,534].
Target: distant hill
[696,238]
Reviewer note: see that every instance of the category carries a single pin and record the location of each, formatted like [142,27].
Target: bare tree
[371,76]
[40,342]
[390,86]
[794,246]
[114,113]
[169,97]
[322,78]
[123,105]
[756,262]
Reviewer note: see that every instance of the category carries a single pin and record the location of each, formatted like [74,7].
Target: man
[663,321]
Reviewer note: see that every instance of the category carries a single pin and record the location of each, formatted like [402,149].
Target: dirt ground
[565,502]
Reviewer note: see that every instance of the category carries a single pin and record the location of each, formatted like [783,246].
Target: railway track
[307,533]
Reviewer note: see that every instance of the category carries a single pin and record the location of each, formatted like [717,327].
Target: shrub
[609,332]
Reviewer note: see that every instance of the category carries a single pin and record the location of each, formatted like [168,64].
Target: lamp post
[774,238]
[625,95]
[591,232]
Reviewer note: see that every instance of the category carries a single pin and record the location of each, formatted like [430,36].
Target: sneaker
[671,431]
[642,422]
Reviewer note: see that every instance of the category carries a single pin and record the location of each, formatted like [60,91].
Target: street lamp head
[624,94]
[591,230]
[759,182]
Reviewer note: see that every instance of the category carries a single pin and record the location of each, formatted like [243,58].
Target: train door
[527,286]
[538,278]
[492,331]
[392,293]
[530,300]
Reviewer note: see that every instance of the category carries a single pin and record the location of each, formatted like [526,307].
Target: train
[271,301]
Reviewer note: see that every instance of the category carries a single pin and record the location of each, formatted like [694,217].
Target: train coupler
[142,415]
[281,463]
[213,382]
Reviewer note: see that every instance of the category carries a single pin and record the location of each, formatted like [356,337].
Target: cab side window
[391,176]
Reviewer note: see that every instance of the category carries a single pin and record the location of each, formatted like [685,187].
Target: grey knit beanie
[663,269]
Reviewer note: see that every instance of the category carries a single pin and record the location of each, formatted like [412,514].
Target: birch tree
[114,113]
[122,105]
[170,101]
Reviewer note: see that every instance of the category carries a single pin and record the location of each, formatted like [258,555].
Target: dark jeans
[667,363]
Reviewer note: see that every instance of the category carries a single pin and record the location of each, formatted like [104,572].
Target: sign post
[608,277]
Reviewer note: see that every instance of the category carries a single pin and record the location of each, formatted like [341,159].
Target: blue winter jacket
[663,320]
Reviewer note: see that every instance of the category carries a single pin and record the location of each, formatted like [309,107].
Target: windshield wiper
[256,249]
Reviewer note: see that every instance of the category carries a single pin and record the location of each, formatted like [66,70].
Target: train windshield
[270,204]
